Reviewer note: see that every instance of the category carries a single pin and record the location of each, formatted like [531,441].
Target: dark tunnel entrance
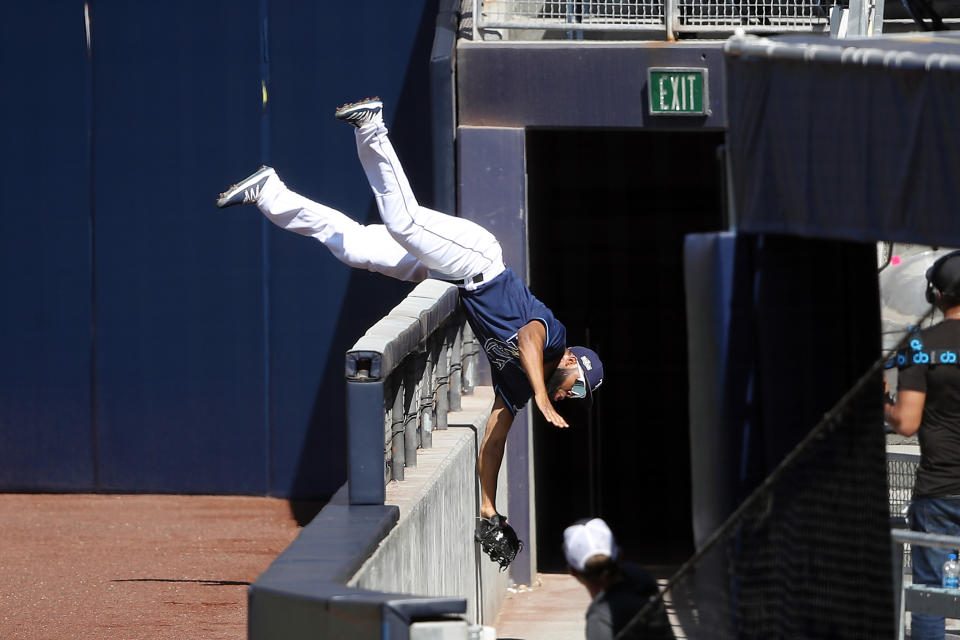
[608,211]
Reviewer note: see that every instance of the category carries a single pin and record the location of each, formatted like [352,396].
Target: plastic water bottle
[951,572]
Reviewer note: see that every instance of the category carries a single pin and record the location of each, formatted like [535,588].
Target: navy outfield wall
[148,341]
[45,253]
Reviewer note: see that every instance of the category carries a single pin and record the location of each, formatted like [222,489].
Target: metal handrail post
[426,401]
[397,458]
[469,357]
[476,20]
[455,371]
[411,411]
[669,13]
[442,369]
[876,18]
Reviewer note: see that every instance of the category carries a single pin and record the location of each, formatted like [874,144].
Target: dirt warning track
[134,566]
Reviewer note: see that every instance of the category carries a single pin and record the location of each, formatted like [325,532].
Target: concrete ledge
[350,572]
[431,551]
[302,594]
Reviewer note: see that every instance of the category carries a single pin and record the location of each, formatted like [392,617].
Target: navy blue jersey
[496,311]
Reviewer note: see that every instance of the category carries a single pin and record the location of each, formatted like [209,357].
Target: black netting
[808,555]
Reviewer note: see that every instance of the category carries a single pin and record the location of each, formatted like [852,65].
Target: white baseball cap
[584,540]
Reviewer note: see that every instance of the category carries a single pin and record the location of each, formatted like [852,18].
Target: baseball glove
[498,540]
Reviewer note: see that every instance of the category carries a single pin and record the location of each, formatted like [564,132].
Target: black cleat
[361,113]
[247,190]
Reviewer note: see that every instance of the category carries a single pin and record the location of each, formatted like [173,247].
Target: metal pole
[857,18]
[455,375]
[469,361]
[476,20]
[918,538]
[442,369]
[426,400]
[411,412]
[396,426]
[876,18]
[669,13]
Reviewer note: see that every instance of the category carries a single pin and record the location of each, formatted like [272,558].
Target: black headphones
[934,292]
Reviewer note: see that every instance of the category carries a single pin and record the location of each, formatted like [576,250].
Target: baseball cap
[591,370]
[583,540]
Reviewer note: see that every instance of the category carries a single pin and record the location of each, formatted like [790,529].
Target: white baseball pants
[413,243]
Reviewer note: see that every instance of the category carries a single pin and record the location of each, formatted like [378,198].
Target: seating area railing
[920,598]
[670,18]
[403,376]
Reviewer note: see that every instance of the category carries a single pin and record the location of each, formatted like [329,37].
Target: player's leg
[364,247]
[453,248]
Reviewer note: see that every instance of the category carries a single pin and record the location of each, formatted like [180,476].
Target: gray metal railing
[403,377]
[669,18]
[901,473]
[919,598]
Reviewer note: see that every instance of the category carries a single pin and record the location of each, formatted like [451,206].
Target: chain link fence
[666,18]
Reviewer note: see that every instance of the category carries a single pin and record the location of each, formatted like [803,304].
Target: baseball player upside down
[524,343]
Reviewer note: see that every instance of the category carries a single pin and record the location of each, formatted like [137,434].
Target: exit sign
[678,91]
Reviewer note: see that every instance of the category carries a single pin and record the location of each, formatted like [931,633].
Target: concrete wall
[492,191]
[431,551]
[554,84]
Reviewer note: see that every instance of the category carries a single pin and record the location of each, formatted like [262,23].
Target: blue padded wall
[150,341]
[45,309]
[721,329]
[319,307]
[773,347]
[179,284]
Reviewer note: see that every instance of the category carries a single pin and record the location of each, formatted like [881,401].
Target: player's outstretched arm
[491,455]
[530,341]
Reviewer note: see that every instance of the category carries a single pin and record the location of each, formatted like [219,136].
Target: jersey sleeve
[913,378]
[555,342]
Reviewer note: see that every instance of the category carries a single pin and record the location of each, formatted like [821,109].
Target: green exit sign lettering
[678,91]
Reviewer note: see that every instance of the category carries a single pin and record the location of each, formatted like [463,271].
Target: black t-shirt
[617,605]
[939,472]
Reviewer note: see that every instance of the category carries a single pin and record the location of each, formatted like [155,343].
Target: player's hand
[546,408]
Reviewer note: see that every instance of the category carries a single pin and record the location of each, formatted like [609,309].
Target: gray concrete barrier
[370,571]
[395,546]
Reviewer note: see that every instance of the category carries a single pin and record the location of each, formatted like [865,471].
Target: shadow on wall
[304,511]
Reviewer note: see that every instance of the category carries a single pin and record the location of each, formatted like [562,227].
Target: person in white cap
[620,591]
